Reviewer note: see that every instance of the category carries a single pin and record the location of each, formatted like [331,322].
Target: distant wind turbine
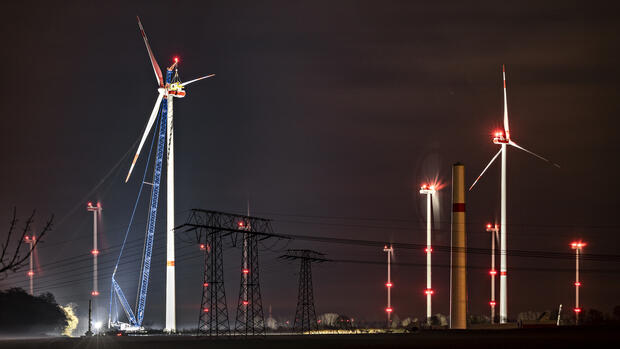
[503,139]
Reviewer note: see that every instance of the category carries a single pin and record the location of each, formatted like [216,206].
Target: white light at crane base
[97,325]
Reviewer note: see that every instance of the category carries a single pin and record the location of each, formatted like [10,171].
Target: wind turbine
[167,88]
[503,139]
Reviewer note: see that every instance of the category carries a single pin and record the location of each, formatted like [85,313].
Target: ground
[565,337]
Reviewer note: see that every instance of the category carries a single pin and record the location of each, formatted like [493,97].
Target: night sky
[327,117]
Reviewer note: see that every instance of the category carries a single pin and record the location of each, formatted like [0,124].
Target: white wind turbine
[167,88]
[503,139]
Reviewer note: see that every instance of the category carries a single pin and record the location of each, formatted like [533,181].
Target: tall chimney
[458,255]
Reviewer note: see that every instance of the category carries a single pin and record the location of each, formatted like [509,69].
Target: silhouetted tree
[617,312]
[594,317]
[25,314]
[11,258]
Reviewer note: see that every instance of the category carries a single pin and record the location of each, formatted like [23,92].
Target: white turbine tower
[167,88]
[388,284]
[503,139]
[429,191]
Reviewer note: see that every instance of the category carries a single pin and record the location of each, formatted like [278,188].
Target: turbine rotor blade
[532,153]
[200,78]
[149,125]
[485,169]
[506,127]
[156,69]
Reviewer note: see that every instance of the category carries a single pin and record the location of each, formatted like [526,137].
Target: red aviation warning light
[577,310]
[30,273]
[492,303]
[245,271]
[94,293]
[429,291]
[389,310]
[389,284]
[94,252]
[578,244]
[500,138]
[577,284]
[246,302]
[493,272]
[205,310]
[203,247]
[176,59]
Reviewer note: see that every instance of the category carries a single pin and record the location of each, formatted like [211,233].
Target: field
[586,337]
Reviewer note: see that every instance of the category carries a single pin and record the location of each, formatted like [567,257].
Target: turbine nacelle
[427,189]
[500,138]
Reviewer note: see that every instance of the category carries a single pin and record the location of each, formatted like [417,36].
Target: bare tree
[11,258]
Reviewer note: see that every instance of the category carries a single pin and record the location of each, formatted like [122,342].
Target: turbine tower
[429,191]
[31,240]
[96,210]
[578,247]
[493,229]
[502,138]
[168,88]
[388,310]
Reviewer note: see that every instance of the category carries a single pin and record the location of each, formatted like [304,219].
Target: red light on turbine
[245,302]
[429,291]
[245,271]
[94,252]
[94,293]
[241,224]
[205,310]
[176,59]
[30,273]
[492,303]
[502,273]
[206,284]
[577,310]
[202,247]
[493,272]
[489,226]
[577,284]
[428,250]
[389,310]
[389,284]
[90,204]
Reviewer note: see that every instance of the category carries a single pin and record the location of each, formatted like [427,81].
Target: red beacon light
[577,310]
[176,59]
[202,247]
[429,291]
[246,302]
[206,284]
[388,310]
[389,284]
[493,272]
[577,284]
[94,293]
[428,250]
[576,245]
[492,303]
[94,252]
[205,310]
[246,271]
[499,138]
[30,273]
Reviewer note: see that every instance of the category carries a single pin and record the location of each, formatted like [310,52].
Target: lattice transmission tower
[305,314]
[211,227]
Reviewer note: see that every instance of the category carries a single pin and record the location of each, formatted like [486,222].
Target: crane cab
[176,90]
